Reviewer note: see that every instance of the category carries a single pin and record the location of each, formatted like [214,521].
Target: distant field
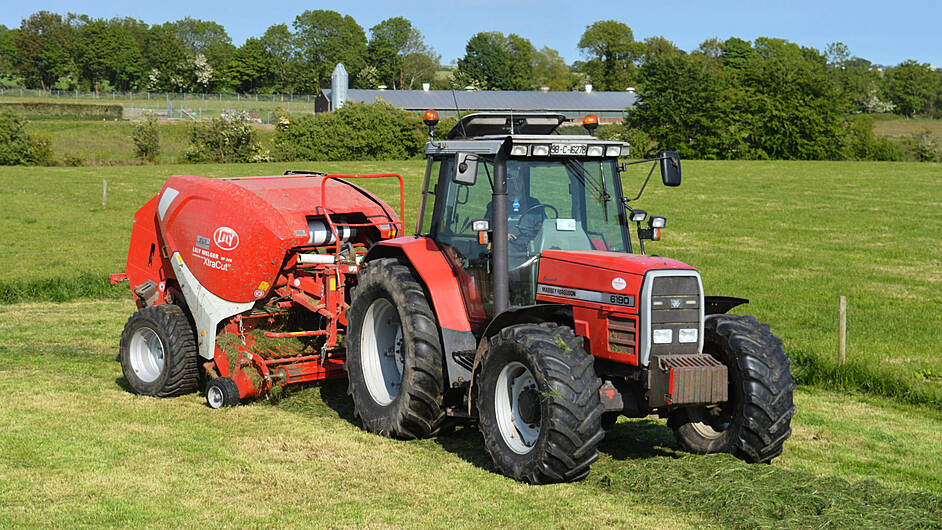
[109,142]
[903,127]
[264,106]
[79,450]
[790,236]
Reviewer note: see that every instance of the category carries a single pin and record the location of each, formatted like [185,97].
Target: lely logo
[226,238]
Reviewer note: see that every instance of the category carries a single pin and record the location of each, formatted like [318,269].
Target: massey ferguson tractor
[524,301]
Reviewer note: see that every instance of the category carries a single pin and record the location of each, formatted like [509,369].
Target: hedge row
[78,111]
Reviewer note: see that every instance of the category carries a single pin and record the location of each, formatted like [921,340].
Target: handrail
[333,226]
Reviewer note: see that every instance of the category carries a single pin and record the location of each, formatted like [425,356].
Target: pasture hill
[790,236]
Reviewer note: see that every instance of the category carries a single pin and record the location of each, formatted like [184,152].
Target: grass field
[102,143]
[903,127]
[79,450]
[790,236]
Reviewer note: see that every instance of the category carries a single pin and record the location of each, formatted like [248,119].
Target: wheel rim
[147,354]
[517,407]
[707,425]
[381,351]
[214,396]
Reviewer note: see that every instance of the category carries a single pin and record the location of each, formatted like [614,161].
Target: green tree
[18,147]
[280,44]
[252,67]
[611,51]
[485,63]
[325,38]
[695,123]
[790,106]
[659,48]
[42,49]
[8,53]
[495,62]
[550,70]
[386,49]
[915,89]
[203,37]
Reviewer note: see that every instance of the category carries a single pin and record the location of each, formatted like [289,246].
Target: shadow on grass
[637,439]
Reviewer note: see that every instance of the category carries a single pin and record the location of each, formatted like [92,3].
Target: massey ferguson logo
[226,238]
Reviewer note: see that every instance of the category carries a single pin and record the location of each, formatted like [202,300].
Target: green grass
[79,450]
[907,127]
[790,236]
[106,143]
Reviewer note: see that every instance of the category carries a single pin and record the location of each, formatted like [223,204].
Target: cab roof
[505,123]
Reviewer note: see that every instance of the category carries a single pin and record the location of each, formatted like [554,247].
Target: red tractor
[520,302]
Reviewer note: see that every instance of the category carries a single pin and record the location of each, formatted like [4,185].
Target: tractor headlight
[540,150]
[625,150]
[657,221]
[595,150]
[662,336]
[687,335]
[612,150]
[518,150]
[636,216]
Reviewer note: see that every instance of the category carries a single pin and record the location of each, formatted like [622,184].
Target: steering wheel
[529,232]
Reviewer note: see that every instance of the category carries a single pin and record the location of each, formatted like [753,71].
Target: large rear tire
[755,422]
[394,355]
[158,352]
[539,406]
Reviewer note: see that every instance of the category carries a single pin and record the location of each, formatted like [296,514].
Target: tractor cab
[505,182]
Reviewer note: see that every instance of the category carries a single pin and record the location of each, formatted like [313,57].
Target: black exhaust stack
[500,273]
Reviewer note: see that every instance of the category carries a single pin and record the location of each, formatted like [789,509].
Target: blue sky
[883,32]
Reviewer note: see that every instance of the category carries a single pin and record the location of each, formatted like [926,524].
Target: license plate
[568,149]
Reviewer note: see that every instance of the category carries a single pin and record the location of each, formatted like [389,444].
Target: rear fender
[426,259]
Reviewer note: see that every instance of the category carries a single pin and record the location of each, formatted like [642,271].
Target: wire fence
[261,108]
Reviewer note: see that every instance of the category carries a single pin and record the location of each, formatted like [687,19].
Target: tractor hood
[592,277]
[614,261]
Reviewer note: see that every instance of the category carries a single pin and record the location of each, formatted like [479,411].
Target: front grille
[675,305]
[622,335]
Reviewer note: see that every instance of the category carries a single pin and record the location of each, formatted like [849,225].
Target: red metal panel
[614,261]
[233,233]
[427,259]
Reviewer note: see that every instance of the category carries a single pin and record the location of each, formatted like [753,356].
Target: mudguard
[428,261]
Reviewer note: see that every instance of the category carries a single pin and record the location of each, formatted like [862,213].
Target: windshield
[552,204]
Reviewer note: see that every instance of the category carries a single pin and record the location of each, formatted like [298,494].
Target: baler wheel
[539,405]
[158,352]
[755,422]
[222,392]
[394,355]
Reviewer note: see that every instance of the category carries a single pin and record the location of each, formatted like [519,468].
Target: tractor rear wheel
[394,355]
[539,406]
[158,352]
[755,422]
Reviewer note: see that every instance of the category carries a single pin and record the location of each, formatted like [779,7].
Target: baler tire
[222,392]
[415,411]
[756,419]
[179,370]
[556,370]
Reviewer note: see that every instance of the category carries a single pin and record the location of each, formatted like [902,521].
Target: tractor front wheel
[158,352]
[539,406]
[755,422]
[394,355]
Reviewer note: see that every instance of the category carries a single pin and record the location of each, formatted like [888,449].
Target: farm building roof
[484,100]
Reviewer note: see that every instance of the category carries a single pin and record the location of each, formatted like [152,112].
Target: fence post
[104,194]
[842,331]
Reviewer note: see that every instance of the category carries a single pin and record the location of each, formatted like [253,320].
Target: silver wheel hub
[146,354]
[706,425]
[214,396]
[517,407]
[382,351]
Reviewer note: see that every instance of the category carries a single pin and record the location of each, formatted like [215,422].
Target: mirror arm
[651,172]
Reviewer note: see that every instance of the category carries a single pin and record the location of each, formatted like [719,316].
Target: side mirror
[466,169]
[670,168]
